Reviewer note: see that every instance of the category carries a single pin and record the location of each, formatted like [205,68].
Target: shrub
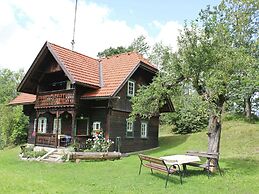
[191,115]
[28,152]
[98,143]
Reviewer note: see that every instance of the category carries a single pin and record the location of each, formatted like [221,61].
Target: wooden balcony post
[73,113]
[57,140]
[36,128]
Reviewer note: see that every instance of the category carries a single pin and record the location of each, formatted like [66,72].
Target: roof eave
[87,85]
[20,103]
[20,86]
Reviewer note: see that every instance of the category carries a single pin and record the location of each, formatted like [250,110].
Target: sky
[25,25]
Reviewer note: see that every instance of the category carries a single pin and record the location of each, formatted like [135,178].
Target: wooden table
[180,160]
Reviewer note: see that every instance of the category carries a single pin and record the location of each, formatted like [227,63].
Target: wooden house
[68,95]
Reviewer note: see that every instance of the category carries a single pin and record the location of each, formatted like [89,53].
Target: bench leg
[140,168]
[151,170]
[219,168]
[166,180]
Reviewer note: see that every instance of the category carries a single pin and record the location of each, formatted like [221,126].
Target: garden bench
[158,165]
[212,161]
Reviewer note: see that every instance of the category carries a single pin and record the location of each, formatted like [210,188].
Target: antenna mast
[74,30]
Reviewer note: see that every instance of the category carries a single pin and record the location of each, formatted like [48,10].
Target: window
[69,85]
[143,130]
[57,122]
[82,126]
[129,128]
[42,125]
[96,126]
[131,88]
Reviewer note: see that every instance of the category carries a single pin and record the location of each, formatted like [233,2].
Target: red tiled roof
[82,68]
[116,70]
[23,98]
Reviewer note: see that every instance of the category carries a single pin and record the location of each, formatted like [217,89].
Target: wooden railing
[55,98]
[46,139]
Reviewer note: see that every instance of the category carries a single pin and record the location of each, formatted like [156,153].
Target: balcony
[55,99]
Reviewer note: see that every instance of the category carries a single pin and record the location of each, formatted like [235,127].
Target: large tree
[211,59]
[13,123]
[139,45]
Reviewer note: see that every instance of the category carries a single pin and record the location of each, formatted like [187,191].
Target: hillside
[239,161]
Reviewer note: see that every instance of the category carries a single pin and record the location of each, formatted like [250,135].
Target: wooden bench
[159,165]
[212,161]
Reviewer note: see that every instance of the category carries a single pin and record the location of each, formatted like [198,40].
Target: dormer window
[69,85]
[131,88]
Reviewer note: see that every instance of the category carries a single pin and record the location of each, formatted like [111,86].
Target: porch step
[53,156]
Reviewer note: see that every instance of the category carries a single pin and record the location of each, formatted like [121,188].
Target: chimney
[101,83]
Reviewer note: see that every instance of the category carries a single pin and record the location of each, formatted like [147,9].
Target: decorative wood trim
[70,77]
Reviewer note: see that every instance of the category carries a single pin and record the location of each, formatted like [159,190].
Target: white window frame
[69,85]
[55,125]
[143,130]
[34,124]
[131,88]
[42,125]
[95,124]
[129,126]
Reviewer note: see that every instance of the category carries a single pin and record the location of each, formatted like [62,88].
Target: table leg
[184,169]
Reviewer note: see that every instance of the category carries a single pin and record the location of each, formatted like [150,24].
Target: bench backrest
[204,154]
[151,159]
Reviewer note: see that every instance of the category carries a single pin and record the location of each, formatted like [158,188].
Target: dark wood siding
[135,143]
[31,138]
[140,77]
[95,110]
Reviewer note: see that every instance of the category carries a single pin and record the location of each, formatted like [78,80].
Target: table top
[180,159]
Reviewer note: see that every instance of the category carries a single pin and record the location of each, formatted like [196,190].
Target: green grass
[239,161]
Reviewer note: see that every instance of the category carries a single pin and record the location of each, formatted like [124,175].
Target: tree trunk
[248,107]
[214,138]
[214,133]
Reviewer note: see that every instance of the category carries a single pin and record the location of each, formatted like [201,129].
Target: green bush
[98,143]
[191,115]
[28,152]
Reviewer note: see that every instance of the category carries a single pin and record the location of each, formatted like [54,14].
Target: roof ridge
[73,51]
[117,55]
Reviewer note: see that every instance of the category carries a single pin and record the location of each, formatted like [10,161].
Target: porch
[60,128]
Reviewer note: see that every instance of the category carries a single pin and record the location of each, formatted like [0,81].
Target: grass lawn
[239,161]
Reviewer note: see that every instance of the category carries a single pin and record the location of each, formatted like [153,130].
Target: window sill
[127,137]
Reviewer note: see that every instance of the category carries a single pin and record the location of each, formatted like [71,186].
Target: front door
[82,127]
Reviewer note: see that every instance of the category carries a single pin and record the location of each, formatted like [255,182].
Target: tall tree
[140,45]
[209,59]
[113,51]
[13,122]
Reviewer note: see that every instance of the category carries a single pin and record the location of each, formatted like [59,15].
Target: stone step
[52,160]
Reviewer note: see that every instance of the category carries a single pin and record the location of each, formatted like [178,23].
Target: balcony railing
[46,139]
[55,98]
